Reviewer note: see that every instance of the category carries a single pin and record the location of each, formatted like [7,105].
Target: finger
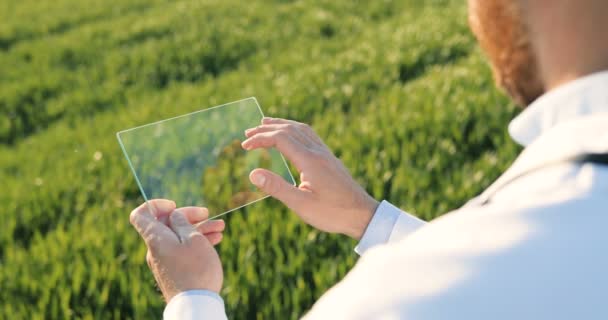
[211,226]
[270,120]
[292,130]
[274,185]
[304,128]
[182,228]
[161,209]
[151,230]
[288,146]
[214,238]
[264,128]
[195,214]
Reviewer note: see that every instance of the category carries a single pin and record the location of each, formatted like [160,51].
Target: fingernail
[166,205]
[201,213]
[258,180]
[161,207]
[244,145]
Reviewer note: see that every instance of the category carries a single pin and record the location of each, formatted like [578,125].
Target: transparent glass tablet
[197,159]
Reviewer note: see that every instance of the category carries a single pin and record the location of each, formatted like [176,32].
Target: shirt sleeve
[389,224]
[195,304]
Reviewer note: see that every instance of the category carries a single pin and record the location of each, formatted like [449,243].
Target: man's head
[503,34]
[536,45]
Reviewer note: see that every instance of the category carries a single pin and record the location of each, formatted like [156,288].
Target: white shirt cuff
[195,304]
[388,224]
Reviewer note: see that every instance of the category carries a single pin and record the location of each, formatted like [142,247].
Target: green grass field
[398,89]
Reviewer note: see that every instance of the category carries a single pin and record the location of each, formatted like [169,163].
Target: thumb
[182,227]
[151,230]
[274,185]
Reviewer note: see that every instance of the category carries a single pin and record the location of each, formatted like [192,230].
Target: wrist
[170,294]
[197,281]
[361,218]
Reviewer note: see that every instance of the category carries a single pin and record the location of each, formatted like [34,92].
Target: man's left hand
[180,257]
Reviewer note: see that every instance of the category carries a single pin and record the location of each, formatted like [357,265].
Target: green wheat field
[398,89]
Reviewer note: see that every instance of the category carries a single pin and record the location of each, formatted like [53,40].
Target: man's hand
[180,256]
[327,198]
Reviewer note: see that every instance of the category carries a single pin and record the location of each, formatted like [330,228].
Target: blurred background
[398,89]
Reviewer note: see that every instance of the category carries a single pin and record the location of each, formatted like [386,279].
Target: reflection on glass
[197,159]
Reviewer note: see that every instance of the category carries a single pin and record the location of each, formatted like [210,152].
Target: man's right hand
[328,198]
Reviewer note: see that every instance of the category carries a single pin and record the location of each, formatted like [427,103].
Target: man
[534,245]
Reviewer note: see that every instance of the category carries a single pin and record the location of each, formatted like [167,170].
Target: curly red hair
[500,28]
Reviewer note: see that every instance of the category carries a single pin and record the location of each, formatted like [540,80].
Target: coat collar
[582,97]
[568,121]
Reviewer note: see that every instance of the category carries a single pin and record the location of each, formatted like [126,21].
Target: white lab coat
[534,245]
